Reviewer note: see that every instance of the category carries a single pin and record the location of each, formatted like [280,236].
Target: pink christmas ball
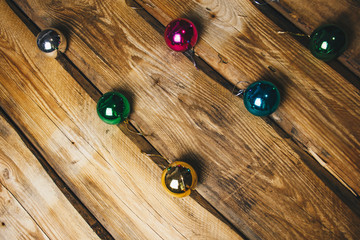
[181,35]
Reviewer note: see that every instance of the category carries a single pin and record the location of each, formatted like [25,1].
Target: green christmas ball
[328,42]
[261,98]
[113,108]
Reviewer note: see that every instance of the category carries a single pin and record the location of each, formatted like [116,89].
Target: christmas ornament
[181,36]
[328,42]
[113,108]
[261,98]
[178,179]
[51,41]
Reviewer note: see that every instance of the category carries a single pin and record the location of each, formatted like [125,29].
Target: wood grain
[248,171]
[65,190]
[15,222]
[318,105]
[119,184]
[32,204]
[344,13]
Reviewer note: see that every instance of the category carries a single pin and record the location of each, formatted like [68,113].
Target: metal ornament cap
[178,179]
[51,41]
[113,108]
[261,98]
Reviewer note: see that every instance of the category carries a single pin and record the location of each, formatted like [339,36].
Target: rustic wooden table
[65,174]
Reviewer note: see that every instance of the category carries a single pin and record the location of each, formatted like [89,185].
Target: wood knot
[222,59]
[272,68]
[156,80]
[6,173]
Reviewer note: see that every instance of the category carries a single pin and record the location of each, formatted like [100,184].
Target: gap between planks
[73,199]
[13,196]
[323,171]
[260,121]
[338,186]
[287,26]
[342,13]
[140,141]
[283,23]
[288,123]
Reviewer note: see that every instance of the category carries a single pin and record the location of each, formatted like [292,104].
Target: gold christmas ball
[178,179]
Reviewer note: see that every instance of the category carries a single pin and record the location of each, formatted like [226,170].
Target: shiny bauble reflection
[261,98]
[328,42]
[181,35]
[113,108]
[51,41]
[179,178]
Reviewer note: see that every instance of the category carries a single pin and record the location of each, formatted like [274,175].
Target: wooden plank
[248,171]
[15,222]
[311,112]
[118,183]
[344,13]
[65,190]
[32,204]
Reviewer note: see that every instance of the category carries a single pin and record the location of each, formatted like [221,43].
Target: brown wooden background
[65,174]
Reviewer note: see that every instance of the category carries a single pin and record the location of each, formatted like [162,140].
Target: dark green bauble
[261,98]
[328,42]
[113,108]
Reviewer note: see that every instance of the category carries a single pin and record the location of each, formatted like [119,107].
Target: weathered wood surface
[253,176]
[319,107]
[15,222]
[31,205]
[118,183]
[345,13]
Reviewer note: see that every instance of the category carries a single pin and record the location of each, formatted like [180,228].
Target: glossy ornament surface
[179,178]
[181,35]
[113,108]
[50,41]
[328,42]
[261,98]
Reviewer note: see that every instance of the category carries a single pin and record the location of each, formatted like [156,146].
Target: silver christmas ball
[51,41]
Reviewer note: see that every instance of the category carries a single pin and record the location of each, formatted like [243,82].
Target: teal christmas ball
[113,108]
[328,42]
[261,98]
